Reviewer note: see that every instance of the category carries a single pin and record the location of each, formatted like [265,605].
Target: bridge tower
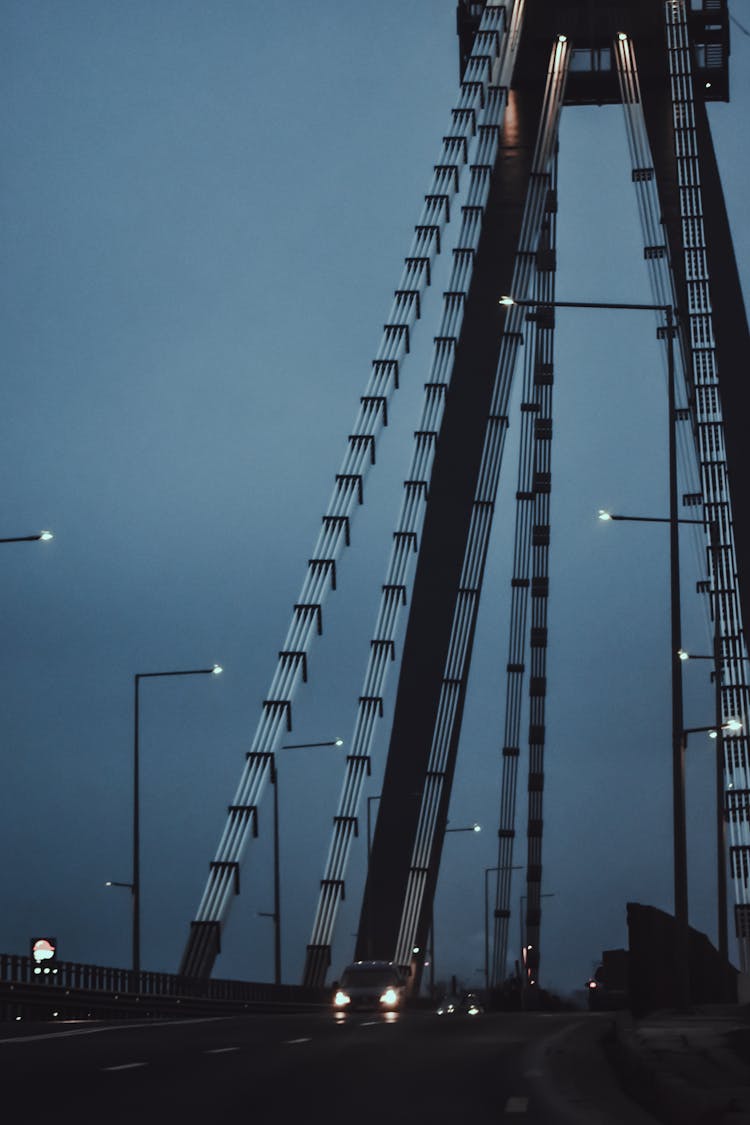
[521,61]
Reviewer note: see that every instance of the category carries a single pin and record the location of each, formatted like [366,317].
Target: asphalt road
[282,1069]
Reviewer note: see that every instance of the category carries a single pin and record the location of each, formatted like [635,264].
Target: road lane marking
[109,1027]
[125,1066]
[516,1105]
[290,1041]
[220,1050]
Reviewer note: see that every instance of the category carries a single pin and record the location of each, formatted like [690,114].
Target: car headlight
[341,999]
[390,996]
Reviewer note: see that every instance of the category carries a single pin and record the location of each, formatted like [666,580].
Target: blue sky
[205,208]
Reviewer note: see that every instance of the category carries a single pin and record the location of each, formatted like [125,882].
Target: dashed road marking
[125,1066]
[516,1105]
[220,1050]
[101,1029]
[291,1041]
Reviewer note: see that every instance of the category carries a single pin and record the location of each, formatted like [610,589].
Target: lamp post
[717,732]
[44,536]
[487,870]
[276,912]
[465,828]
[681,920]
[215,670]
[544,311]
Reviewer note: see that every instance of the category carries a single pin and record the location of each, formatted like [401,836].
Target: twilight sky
[205,208]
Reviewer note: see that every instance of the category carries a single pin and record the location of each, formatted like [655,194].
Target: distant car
[448,1006]
[370,984]
[467,1005]
[471,1004]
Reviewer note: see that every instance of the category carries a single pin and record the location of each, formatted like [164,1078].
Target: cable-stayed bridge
[491,221]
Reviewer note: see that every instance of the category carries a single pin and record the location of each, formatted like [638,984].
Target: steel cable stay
[516,648]
[532,514]
[658,261]
[721,562]
[406,537]
[538,631]
[425,850]
[276,717]
[702,449]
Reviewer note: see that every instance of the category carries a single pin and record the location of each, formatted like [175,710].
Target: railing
[69,988]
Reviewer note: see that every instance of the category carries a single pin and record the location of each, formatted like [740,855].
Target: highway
[412,1067]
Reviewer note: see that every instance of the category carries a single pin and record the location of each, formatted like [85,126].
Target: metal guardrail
[59,989]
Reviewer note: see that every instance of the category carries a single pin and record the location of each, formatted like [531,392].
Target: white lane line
[109,1027]
[125,1066]
[220,1050]
[290,1041]
[516,1105]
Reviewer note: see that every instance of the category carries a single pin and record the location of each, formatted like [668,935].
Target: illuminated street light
[275,914]
[468,828]
[541,312]
[214,670]
[44,536]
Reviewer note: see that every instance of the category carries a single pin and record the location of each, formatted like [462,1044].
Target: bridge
[424,628]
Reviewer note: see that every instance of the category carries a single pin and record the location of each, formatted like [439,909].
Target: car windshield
[374,978]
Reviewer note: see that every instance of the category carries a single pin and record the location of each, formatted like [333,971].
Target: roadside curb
[573,1080]
[669,1097]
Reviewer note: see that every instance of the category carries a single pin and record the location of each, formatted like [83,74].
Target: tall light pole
[717,732]
[276,912]
[682,954]
[465,828]
[682,967]
[215,670]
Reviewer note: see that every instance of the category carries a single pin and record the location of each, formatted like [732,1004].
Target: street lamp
[44,536]
[543,313]
[276,912]
[214,670]
[466,828]
[713,732]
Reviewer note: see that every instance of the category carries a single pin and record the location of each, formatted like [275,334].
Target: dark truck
[608,988]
